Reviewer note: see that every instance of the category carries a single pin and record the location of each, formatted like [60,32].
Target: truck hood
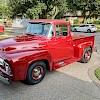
[22,43]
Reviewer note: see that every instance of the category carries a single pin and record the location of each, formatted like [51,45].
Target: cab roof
[49,21]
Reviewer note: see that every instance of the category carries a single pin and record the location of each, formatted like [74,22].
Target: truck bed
[78,39]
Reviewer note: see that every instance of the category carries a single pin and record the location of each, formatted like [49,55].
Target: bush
[67,18]
[76,21]
[96,22]
[76,25]
[97,73]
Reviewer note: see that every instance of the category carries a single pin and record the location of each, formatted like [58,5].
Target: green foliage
[76,21]
[63,9]
[4,11]
[97,73]
[52,14]
[75,25]
[3,37]
[67,18]
[96,22]
[87,9]
[19,7]
[98,27]
[35,9]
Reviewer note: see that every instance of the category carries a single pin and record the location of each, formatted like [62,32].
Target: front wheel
[75,30]
[36,73]
[86,55]
[89,31]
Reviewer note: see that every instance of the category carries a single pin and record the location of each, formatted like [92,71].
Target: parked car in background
[85,28]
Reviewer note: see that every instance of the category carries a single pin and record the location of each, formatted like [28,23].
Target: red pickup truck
[46,45]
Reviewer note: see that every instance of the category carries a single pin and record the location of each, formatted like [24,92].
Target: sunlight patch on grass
[3,37]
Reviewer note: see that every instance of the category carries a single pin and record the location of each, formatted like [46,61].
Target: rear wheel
[36,73]
[86,55]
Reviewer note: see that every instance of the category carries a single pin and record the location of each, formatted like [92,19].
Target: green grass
[98,27]
[98,30]
[3,37]
[8,31]
[97,73]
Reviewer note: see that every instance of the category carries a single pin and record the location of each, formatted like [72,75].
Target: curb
[91,73]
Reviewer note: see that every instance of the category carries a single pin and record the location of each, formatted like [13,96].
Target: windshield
[39,29]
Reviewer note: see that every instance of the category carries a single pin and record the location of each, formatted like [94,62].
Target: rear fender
[79,49]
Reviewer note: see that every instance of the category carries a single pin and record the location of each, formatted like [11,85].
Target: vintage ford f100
[46,45]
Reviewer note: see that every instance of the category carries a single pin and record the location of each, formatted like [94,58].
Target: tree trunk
[44,15]
[83,19]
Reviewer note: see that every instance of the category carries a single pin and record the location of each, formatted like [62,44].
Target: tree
[38,8]
[4,11]
[35,12]
[19,7]
[88,8]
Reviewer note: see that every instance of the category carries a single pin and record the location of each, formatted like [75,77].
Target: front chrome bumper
[3,79]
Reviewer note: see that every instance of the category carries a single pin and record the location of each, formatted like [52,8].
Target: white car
[85,28]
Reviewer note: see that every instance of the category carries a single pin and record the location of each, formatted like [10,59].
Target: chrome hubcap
[37,72]
[87,55]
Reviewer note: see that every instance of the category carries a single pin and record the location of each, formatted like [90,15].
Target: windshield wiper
[30,34]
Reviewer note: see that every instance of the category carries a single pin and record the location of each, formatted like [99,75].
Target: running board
[65,62]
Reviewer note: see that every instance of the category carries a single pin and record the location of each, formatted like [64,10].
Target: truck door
[62,44]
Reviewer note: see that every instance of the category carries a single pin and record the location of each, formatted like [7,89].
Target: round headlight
[4,64]
[7,67]
[1,61]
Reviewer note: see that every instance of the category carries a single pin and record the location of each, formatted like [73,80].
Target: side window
[61,30]
[82,25]
[51,32]
[86,25]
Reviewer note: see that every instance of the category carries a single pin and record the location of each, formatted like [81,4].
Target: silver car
[85,28]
